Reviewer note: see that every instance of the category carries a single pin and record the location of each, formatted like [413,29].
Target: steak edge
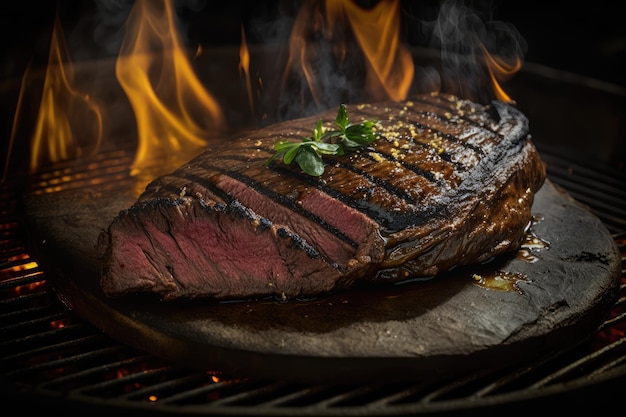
[449,183]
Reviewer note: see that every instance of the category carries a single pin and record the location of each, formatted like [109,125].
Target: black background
[587,38]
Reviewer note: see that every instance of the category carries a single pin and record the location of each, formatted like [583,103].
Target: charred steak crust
[449,183]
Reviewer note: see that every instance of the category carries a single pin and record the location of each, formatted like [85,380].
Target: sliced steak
[449,183]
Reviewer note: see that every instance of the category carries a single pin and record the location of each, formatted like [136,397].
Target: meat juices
[449,183]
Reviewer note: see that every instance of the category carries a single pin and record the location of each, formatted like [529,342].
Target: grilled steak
[449,183]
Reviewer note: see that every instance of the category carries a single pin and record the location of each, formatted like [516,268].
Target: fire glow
[54,139]
[389,66]
[176,115]
[167,107]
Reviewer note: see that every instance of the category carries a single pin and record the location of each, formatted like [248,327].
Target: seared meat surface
[449,183]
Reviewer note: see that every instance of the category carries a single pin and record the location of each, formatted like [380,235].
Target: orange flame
[61,110]
[175,115]
[390,65]
[500,70]
[244,67]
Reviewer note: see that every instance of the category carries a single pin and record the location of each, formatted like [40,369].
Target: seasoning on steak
[449,183]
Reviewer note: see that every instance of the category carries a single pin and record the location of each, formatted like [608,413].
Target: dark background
[587,39]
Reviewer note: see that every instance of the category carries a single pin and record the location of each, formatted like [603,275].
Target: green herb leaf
[310,161]
[327,148]
[318,132]
[291,153]
[307,153]
[342,117]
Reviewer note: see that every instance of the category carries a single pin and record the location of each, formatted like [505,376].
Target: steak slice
[449,183]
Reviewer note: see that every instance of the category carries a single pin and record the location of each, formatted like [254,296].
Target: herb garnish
[308,153]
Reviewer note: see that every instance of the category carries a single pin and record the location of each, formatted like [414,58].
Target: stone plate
[549,296]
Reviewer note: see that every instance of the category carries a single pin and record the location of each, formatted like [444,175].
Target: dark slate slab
[558,295]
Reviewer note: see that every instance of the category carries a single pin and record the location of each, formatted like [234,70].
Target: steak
[449,183]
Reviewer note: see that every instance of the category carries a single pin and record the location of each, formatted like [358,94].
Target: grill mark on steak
[452,138]
[373,179]
[290,204]
[445,155]
[444,105]
[369,211]
[449,183]
[454,122]
[368,183]
[429,175]
[387,155]
[376,181]
[386,185]
[232,200]
[265,191]
[389,187]
[258,185]
[333,246]
[455,130]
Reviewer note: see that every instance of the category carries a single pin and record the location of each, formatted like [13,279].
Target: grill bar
[602,190]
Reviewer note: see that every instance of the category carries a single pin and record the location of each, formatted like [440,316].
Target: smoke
[270,23]
[463,32]
[108,31]
[101,29]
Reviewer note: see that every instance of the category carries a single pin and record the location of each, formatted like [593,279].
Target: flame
[476,54]
[244,67]
[16,118]
[175,115]
[61,110]
[500,70]
[390,65]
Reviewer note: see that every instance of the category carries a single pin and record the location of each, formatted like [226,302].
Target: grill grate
[54,356]
[600,187]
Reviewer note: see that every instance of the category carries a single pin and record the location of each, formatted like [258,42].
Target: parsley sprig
[308,153]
